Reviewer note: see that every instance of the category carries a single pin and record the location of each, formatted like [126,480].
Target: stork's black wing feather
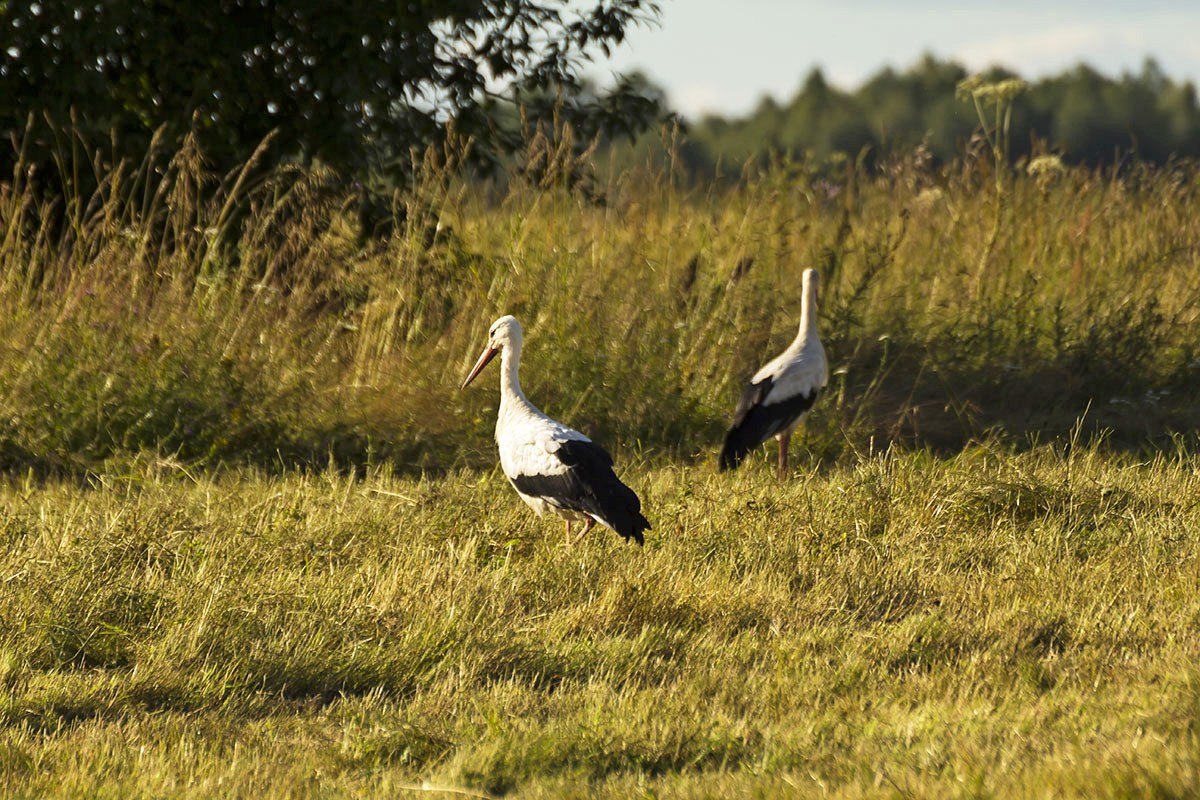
[753,395]
[589,486]
[755,421]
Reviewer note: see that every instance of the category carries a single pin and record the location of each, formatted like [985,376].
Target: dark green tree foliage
[1085,116]
[354,83]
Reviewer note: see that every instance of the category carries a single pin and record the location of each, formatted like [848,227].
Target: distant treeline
[1082,115]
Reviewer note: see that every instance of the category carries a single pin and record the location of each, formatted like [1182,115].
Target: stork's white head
[505,334]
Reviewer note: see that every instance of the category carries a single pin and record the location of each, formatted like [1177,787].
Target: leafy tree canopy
[354,83]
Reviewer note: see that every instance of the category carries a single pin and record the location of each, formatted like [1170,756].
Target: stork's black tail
[739,443]
[749,428]
[636,529]
[620,509]
[599,492]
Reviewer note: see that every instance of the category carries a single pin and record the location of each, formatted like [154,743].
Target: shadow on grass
[943,394]
[937,392]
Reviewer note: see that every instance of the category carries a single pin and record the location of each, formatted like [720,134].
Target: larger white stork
[552,467]
[779,396]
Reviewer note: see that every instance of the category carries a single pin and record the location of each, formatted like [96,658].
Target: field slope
[993,624]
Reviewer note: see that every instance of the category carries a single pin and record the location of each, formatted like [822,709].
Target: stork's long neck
[808,318]
[511,395]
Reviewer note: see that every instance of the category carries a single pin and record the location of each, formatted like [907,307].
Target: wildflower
[1048,165]
[1045,169]
[998,91]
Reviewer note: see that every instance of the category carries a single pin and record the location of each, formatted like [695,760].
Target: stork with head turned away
[780,395]
[552,467]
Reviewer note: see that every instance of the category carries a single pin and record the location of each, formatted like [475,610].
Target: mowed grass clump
[991,624]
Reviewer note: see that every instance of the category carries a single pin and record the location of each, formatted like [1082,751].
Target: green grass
[987,625]
[253,542]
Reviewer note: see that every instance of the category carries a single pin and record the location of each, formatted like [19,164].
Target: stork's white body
[780,395]
[528,441]
[800,370]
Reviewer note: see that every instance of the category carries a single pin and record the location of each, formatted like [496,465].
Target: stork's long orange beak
[489,353]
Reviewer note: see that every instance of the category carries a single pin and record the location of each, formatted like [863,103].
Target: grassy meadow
[255,543]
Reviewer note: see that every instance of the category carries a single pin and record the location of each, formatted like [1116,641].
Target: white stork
[552,467]
[779,396]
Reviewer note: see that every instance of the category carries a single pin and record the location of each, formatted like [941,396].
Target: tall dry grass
[240,318]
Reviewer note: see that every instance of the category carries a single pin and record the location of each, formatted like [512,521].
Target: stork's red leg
[586,527]
[783,448]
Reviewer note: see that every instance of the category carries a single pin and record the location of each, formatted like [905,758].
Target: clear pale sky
[725,55]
